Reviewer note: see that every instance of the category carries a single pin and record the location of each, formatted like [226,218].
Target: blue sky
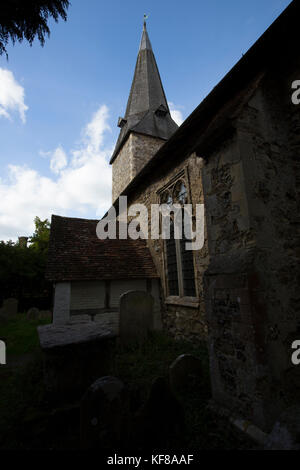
[59,104]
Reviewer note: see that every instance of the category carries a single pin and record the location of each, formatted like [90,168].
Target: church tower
[147,123]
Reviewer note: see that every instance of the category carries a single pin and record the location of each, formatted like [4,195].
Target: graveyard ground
[27,421]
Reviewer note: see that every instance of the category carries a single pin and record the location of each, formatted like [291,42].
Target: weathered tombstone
[160,423]
[33,313]
[184,370]
[9,309]
[104,414]
[136,317]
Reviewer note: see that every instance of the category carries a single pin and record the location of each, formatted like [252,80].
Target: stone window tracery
[180,192]
[179,261]
[166,198]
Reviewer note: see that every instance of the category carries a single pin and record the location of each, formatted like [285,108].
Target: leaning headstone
[136,317]
[184,370]
[104,414]
[160,423]
[33,313]
[285,434]
[9,309]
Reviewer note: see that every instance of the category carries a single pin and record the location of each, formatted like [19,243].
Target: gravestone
[136,317]
[104,414]
[9,309]
[33,313]
[160,423]
[184,370]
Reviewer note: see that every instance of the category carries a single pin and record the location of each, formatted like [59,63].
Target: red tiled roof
[76,253]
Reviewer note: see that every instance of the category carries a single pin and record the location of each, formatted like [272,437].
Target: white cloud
[93,136]
[176,113]
[58,160]
[81,185]
[11,96]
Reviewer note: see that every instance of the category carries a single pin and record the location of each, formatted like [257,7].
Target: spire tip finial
[145,18]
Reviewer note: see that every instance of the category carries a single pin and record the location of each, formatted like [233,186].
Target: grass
[143,364]
[21,379]
[138,368]
[20,335]
[27,422]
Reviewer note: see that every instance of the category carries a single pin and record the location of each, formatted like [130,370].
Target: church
[238,154]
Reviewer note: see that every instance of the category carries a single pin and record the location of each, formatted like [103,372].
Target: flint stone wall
[183,317]
[135,153]
[252,298]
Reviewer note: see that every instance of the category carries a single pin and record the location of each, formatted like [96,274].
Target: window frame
[179,299]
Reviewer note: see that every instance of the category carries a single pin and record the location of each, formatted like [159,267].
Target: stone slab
[74,355]
[54,336]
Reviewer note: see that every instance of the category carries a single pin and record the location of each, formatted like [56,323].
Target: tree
[22,270]
[26,19]
[40,237]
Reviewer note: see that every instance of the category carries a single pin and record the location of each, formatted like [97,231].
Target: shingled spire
[147,110]
[146,92]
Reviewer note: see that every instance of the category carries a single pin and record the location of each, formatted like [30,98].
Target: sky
[59,104]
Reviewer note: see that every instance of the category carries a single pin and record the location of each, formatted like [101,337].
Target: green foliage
[26,19]
[22,270]
[40,238]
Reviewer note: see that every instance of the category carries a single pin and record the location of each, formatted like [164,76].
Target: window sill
[192,302]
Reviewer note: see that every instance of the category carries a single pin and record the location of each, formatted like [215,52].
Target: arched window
[180,192]
[172,269]
[187,268]
[166,198]
[179,260]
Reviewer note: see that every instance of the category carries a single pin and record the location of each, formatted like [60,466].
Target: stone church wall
[135,153]
[252,297]
[183,317]
[122,172]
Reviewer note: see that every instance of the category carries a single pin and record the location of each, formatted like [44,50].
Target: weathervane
[145,17]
